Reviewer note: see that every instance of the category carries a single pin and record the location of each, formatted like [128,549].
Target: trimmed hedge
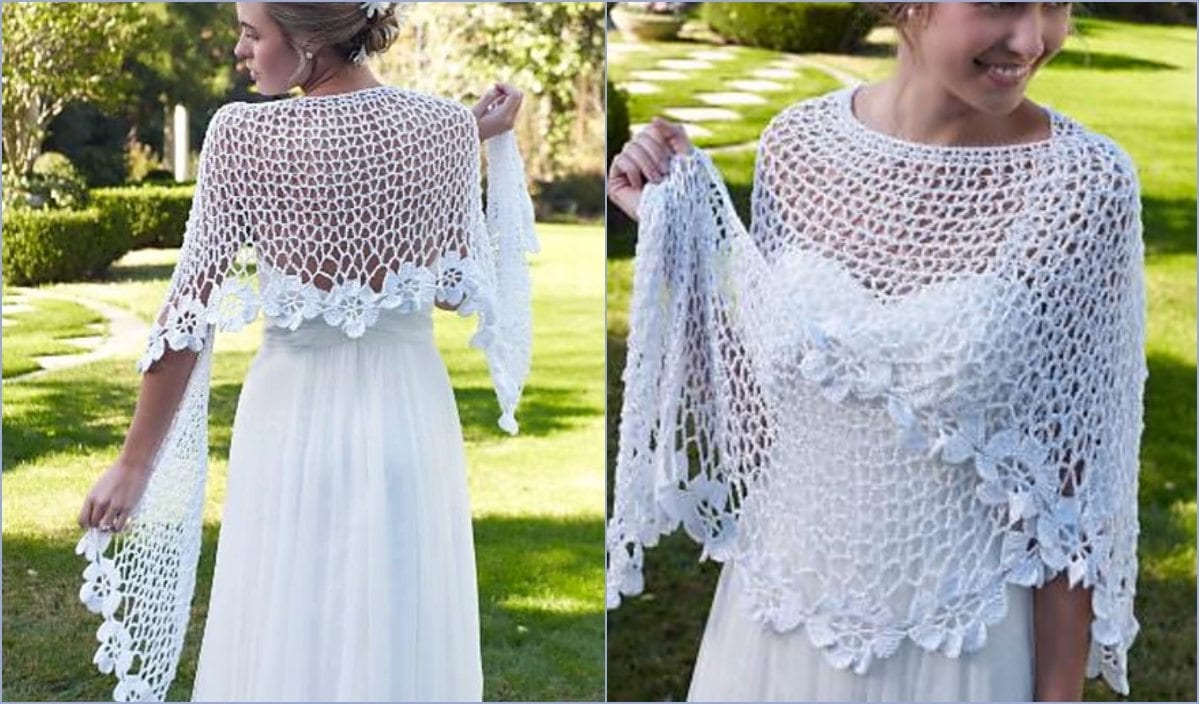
[618,120]
[41,246]
[793,27]
[154,216]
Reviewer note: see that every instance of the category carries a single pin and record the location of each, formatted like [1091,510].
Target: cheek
[953,55]
[1054,40]
[275,56]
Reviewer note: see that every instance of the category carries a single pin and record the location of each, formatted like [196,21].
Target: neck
[910,106]
[343,80]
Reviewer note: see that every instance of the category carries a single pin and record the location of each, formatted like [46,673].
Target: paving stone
[730,98]
[774,72]
[641,88]
[702,114]
[685,64]
[713,55]
[658,76]
[756,85]
[693,130]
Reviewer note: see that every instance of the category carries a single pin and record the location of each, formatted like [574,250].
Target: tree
[557,50]
[553,51]
[55,53]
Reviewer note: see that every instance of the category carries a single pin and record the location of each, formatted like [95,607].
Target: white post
[181,143]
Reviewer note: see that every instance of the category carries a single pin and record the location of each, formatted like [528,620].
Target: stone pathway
[724,99]
[125,332]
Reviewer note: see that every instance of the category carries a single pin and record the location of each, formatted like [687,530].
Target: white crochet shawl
[915,379]
[345,205]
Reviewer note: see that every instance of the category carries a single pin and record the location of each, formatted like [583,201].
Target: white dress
[907,394]
[345,566]
[740,660]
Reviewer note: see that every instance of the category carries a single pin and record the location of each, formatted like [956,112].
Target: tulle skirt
[345,567]
[742,660]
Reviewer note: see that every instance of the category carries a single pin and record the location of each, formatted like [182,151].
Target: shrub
[102,166]
[618,120]
[571,198]
[793,27]
[161,176]
[41,246]
[54,183]
[150,216]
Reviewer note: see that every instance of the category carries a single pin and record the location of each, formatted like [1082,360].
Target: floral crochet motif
[313,211]
[916,378]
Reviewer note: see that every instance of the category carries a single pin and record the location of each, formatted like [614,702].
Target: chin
[995,105]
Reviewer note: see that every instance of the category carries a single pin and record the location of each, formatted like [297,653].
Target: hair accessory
[373,8]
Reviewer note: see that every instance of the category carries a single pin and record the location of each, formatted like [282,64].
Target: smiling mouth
[1007,73]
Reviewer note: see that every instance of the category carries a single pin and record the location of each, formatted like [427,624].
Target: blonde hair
[341,25]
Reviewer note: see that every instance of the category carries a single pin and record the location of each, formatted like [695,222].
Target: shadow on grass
[1099,61]
[541,587]
[543,411]
[1168,441]
[124,273]
[59,413]
[529,653]
[1169,225]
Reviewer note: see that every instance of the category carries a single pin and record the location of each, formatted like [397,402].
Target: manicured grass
[1135,83]
[537,499]
[40,331]
[642,108]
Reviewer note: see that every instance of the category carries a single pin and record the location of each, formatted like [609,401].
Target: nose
[239,49]
[1027,37]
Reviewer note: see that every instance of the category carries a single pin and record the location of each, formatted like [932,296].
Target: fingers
[114,519]
[672,134]
[624,169]
[646,157]
[93,511]
[120,521]
[651,167]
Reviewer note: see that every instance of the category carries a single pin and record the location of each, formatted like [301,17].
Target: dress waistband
[392,326]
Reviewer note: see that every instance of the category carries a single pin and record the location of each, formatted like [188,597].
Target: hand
[496,111]
[114,496]
[645,158]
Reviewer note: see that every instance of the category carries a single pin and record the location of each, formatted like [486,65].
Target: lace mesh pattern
[915,378]
[315,211]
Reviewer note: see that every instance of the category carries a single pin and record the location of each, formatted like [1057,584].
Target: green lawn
[40,331]
[537,499]
[1135,83]
[631,57]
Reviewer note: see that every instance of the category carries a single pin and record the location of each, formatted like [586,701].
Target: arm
[119,489]
[206,259]
[1061,624]
[495,113]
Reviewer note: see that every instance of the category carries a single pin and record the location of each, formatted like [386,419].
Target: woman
[345,567]
[905,407]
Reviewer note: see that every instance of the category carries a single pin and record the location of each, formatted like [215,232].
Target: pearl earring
[308,54]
